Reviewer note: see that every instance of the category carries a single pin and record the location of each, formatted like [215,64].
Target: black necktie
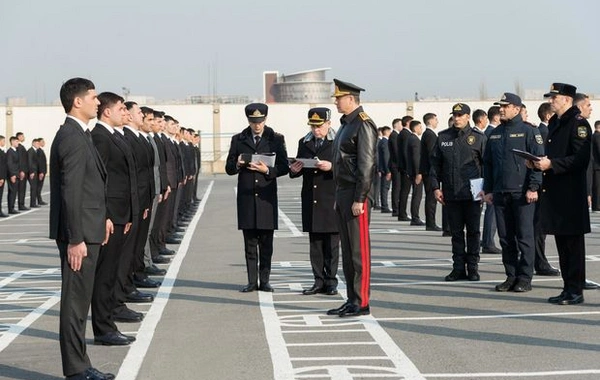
[150,141]
[256,140]
[319,143]
[88,134]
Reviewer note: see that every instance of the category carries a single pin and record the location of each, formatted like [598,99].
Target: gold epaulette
[364,116]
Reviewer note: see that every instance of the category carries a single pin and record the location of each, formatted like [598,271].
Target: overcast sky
[392,48]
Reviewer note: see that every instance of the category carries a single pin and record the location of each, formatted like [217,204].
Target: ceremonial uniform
[318,199]
[257,194]
[354,166]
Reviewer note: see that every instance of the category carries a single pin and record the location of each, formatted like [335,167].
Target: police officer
[512,187]
[457,158]
[354,150]
[318,198]
[257,192]
[564,208]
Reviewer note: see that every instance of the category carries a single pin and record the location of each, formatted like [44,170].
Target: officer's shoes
[473,275]
[456,275]
[522,286]
[506,285]
[355,311]
[337,311]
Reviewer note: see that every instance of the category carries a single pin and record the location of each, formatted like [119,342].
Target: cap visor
[501,103]
[256,119]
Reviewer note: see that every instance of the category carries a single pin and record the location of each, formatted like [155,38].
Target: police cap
[345,88]
[561,89]
[461,109]
[318,116]
[256,112]
[509,98]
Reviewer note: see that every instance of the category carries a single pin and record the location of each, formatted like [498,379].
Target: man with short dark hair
[385,174]
[23,171]
[489,217]
[413,170]
[596,167]
[32,174]
[428,140]
[42,170]
[393,163]
[3,173]
[12,176]
[405,182]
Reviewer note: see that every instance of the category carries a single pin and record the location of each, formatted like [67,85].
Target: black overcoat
[257,192]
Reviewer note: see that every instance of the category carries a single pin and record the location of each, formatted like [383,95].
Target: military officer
[512,187]
[257,192]
[564,208]
[354,166]
[318,198]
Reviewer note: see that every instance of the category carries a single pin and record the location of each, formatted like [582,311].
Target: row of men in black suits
[19,166]
[132,174]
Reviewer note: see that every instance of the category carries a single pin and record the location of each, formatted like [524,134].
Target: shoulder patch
[364,116]
[539,140]
[582,132]
[471,140]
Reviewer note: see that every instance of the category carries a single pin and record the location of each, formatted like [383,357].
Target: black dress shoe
[34,206]
[590,285]
[557,298]
[446,233]
[394,213]
[128,316]
[338,310]
[137,296]
[249,288]
[113,338]
[456,275]
[91,374]
[23,208]
[3,215]
[506,285]
[179,229]
[266,287]
[172,241]
[417,222]
[153,270]
[175,236]
[433,228]
[404,219]
[473,275]
[42,203]
[166,252]
[355,311]
[313,290]
[146,283]
[491,250]
[571,299]
[548,272]
[522,286]
[13,212]
[386,211]
[160,259]
[331,291]
[182,224]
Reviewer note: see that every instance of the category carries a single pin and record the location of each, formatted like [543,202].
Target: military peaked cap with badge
[461,108]
[256,112]
[345,88]
[318,116]
[561,89]
[509,98]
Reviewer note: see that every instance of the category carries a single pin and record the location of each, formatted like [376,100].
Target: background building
[309,86]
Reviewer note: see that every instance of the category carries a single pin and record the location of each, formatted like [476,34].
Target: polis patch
[539,140]
[471,140]
[582,132]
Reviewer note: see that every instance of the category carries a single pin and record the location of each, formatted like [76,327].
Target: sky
[392,48]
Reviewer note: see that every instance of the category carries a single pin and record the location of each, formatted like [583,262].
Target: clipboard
[525,155]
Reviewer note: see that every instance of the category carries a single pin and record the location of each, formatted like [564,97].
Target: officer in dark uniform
[457,158]
[318,198]
[257,192]
[564,208]
[354,166]
[3,172]
[512,187]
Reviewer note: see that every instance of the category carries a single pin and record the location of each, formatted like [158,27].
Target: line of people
[18,167]
[120,193]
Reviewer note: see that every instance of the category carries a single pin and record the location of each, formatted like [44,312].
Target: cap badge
[256,113]
[315,116]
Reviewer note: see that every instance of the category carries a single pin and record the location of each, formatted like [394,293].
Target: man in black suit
[23,170]
[428,140]
[385,174]
[413,170]
[318,199]
[393,164]
[121,209]
[77,222]
[32,175]
[42,170]
[12,164]
[489,217]
[596,167]
[405,182]
[257,192]
[3,172]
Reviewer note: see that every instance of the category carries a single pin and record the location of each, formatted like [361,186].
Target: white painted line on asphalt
[324,331]
[290,225]
[135,356]
[331,344]
[495,316]
[512,374]
[340,358]
[280,357]
[457,283]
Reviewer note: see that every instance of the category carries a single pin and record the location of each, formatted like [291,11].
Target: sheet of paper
[308,163]
[476,187]
[525,155]
[268,159]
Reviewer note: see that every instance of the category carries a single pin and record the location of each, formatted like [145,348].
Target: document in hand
[525,155]
[307,163]
[476,187]
[267,158]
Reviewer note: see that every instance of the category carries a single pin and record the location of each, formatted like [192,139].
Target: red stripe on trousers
[363,226]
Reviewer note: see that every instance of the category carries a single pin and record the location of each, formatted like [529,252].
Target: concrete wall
[218,123]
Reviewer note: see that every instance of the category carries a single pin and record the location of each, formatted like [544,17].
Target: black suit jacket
[32,161]
[383,156]
[23,159]
[413,154]
[402,144]
[393,150]
[596,150]
[42,161]
[428,140]
[77,187]
[122,205]
[12,163]
[171,162]
[162,163]
[3,165]
[144,169]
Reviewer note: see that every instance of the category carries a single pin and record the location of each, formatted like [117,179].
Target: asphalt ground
[201,327]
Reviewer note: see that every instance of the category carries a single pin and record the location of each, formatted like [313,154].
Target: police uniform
[318,199]
[354,166]
[507,177]
[257,195]
[456,159]
[564,209]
